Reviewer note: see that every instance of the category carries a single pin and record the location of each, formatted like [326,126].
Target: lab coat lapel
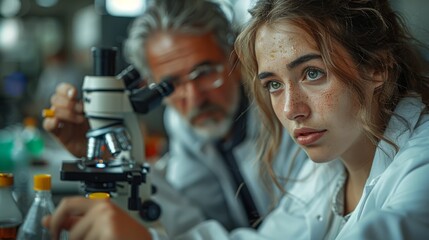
[399,132]
[222,173]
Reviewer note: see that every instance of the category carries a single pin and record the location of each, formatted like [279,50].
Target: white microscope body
[116,128]
[115,152]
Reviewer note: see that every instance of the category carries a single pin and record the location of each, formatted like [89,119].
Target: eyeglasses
[206,77]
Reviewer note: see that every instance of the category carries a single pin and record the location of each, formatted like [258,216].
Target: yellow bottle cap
[6,179]
[98,195]
[42,182]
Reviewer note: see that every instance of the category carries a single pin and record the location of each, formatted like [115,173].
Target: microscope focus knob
[150,211]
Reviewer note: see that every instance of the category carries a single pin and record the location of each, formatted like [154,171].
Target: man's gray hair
[178,16]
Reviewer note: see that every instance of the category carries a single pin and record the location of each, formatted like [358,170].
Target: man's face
[207,105]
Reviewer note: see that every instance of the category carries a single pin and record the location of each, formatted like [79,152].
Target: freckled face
[314,106]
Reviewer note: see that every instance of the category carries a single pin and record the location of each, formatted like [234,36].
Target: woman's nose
[295,104]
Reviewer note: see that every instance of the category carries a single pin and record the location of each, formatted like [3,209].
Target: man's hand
[86,219]
[68,122]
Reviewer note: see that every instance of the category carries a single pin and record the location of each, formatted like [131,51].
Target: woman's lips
[307,137]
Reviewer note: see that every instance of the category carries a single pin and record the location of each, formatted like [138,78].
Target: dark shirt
[226,146]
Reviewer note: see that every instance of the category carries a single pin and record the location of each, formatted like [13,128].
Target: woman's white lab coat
[394,204]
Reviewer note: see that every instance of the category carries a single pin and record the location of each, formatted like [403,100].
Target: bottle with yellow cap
[42,205]
[10,215]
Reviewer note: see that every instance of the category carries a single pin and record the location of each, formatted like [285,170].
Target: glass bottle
[10,215]
[21,161]
[32,228]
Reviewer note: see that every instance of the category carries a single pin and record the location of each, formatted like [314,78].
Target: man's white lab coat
[199,185]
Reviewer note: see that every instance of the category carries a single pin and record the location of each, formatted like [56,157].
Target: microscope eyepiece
[104,61]
[146,99]
[131,78]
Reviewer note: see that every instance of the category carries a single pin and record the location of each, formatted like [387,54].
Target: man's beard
[213,129]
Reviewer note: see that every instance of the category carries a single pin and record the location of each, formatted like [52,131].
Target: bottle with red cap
[10,215]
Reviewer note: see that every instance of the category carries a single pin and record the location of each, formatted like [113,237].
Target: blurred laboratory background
[44,42]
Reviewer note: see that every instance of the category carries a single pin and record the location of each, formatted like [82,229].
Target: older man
[212,161]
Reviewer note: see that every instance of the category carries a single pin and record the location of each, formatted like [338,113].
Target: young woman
[343,78]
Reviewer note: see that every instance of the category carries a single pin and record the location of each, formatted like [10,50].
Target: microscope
[115,160]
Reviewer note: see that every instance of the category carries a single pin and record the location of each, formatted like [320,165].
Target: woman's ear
[378,78]
[381,73]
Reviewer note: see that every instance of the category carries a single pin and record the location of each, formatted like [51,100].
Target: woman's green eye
[314,74]
[273,86]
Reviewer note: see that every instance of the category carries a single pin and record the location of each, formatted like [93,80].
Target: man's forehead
[176,54]
[164,43]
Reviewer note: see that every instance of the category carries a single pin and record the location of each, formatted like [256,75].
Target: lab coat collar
[315,178]
[398,130]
